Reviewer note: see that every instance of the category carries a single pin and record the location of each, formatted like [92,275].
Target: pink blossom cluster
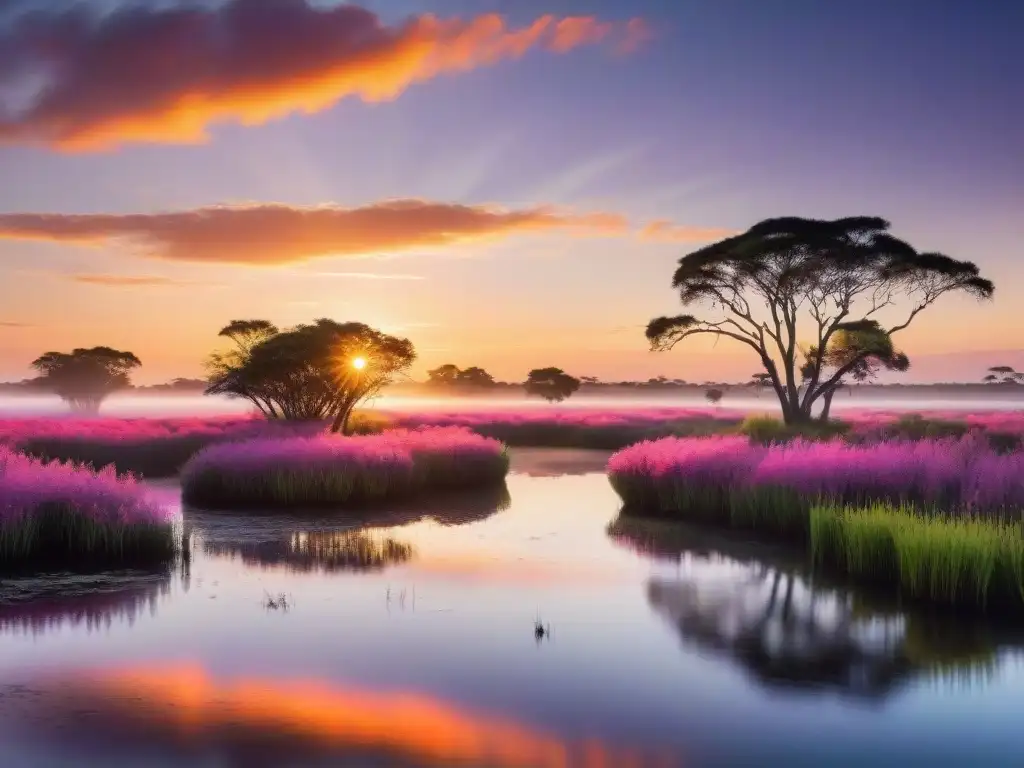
[118,430]
[963,473]
[392,456]
[28,485]
[567,416]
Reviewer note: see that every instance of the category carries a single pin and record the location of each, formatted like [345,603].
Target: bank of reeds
[61,514]
[936,519]
[329,470]
[940,558]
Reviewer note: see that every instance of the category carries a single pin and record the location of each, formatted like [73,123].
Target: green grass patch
[939,558]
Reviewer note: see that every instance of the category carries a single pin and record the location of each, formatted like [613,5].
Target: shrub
[342,471]
[767,429]
[956,475]
[69,515]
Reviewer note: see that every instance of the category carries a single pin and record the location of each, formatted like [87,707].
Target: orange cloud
[145,74]
[281,234]
[126,281]
[187,705]
[667,232]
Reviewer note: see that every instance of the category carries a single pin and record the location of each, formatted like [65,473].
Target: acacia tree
[761,286]
[318,371]
[867,345]
[714,395]
[84,378]
[225,369]
[553,384]
[1008,374]
[760,381]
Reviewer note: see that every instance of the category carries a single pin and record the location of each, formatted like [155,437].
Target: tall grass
[64,514]
[939,558]
[341,471]
[938,519]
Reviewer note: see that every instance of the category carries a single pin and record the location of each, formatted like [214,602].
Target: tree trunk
[341,420]
[827,404]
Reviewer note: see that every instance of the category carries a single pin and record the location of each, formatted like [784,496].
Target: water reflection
[761,608]
[308,542]
[255,721]
[48,602]
[321,551]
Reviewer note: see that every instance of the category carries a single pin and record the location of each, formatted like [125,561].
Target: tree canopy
[761,288]
[866,345]
[316,371]
[553,384]
[84,378]
[449,375]
[1003,374]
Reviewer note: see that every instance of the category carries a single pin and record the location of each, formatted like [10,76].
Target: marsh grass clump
[601,429]
[938,519]
[329,470]
[141,446]
[68,515]
[935,557]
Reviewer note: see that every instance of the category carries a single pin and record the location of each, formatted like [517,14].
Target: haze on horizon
[508,184]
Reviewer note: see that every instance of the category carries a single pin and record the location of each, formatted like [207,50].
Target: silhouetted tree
[1009,375]
[866,345]
[714,396]
[760,283]
[444,375]
[224,368]
[760,381]
[85,377]
[318,371]
[474,377]
[553,384]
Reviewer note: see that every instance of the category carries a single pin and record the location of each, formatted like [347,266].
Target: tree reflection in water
[762,608]
[324,551]
[315,542]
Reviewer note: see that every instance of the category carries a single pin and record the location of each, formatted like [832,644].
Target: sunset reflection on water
[186,707]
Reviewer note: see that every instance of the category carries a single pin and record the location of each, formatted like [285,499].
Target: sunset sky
[509,183]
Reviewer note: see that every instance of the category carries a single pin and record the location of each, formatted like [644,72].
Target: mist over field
[889,398]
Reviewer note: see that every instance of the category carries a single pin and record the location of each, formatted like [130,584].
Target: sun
[359,363]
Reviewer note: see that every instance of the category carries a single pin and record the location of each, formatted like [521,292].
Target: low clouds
[281,234]
[665,231]
[78,81]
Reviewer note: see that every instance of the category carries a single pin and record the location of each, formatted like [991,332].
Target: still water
[409,639]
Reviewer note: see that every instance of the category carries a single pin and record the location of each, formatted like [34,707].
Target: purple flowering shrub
[334,470]
[62,512]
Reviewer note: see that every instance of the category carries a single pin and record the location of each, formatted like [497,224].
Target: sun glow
[359,363]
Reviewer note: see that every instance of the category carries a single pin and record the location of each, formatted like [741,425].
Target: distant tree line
[753,289]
